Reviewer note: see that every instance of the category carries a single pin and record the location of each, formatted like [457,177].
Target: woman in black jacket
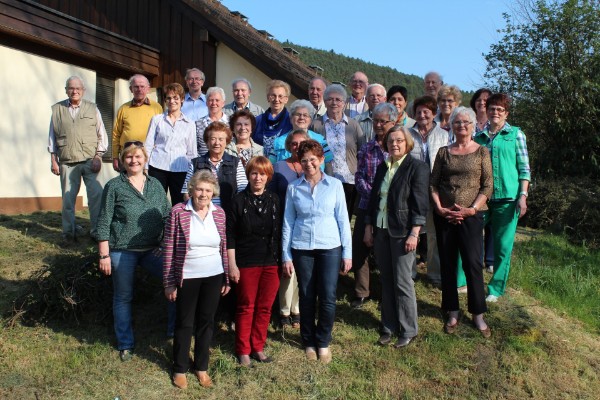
[397,211]
[253,247]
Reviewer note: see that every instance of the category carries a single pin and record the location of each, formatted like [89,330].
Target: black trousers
[464,238]
[197,301]
[351,195]
[172,182]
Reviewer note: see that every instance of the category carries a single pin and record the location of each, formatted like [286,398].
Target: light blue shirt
[317,220]
[194,109]
[171,147]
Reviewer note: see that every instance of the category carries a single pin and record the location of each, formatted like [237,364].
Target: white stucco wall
[231,66]
[30,86]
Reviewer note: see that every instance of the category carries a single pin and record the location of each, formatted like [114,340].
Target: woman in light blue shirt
[317,244]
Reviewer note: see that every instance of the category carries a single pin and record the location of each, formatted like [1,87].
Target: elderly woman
[448,98]
[130,229]
[195,274]
[370,156]
[398,96]
[478,104]
[171,143]
[284,172]
[227,168]
[508,203]
[428,138]
[276,119]
[254,248]
[397,210]
[215,100]
[344,137]
[461,183]
[317,245]
[242,124]
[300,111]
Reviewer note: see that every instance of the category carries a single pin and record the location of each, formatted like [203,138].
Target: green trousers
[504,218]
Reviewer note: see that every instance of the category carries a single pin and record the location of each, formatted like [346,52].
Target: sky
[412,36]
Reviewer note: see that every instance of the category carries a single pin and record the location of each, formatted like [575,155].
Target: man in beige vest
[76,142]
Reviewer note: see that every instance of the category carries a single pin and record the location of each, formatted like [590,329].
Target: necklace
[138,185]
[294,168]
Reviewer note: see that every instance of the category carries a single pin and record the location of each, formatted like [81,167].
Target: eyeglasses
[277,96]
[358,82]
[300,115]
[309,160]
[450,101]
[462,123]
[381,121]
[135,143]
[294,144]
[195,79]
[496,109]
[75,89]
[376,96]
[334,100]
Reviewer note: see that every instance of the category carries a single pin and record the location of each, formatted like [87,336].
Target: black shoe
[256,357]
[358,302]
[384,339]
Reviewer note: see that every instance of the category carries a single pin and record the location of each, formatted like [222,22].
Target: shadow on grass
[44,226]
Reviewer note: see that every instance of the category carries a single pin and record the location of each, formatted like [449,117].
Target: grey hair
[317,78]
[238,80]
[205,176]
[386,108]
[440,77]
[335,88]
[138,76]
[215,89]
[72,78]
[376,85]
[463,110]
[187,73]
[302,104]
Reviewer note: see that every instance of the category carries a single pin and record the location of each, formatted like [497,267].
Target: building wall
[30,86]
[231,66]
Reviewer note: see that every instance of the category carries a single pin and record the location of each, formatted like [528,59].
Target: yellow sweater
[132,124]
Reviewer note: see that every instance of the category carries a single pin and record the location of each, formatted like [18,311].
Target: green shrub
[567,205]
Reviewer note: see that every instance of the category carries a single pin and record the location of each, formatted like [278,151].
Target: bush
[567,205]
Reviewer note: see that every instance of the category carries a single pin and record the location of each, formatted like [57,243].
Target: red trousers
[256,292]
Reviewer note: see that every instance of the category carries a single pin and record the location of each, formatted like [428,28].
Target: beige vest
[76,138]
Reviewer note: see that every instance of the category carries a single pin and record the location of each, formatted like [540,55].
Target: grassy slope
[535,351]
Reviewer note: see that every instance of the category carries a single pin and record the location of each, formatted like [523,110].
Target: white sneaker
[489,269]
[491,298]
[462,290]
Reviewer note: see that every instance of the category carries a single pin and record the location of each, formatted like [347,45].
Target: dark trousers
[451,240]
[197,301]
[360,252]
[172,182]
[398,297]
[256,292]
[488,243]
[351,195]
[317,272]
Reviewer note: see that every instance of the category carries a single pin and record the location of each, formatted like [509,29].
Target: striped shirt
[201,126]
[177,237]
[171,147]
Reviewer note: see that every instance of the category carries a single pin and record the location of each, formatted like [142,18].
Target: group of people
[263,202]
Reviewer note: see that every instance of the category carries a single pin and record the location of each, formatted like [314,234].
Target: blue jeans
[317,272]
[124,263]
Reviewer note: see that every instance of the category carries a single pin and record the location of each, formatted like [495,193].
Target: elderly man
[194,105]
[215,97]
[431,85]
[76,142]
[316,88]
[370,156]
[356,103]
[133,117]
[375,94]
[242,88]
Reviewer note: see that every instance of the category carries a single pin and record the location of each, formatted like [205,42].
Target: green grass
[561,275]
[539,348]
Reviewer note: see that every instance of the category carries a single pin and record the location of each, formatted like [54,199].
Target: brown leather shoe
[204,379]
[486,333]
[180,380]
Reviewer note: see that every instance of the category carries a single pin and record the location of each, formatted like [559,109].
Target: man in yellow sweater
[133,117]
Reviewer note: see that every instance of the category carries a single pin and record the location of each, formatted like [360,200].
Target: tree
[549,62]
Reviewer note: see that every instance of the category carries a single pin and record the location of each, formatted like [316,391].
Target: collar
[344,118]
[181,117]
[189,98]
[390,164]
[325,179]
[146,102]
[486,131]
[352,100]
[74,106]
[189,207]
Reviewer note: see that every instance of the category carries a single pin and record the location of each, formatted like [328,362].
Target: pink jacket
[177,234]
